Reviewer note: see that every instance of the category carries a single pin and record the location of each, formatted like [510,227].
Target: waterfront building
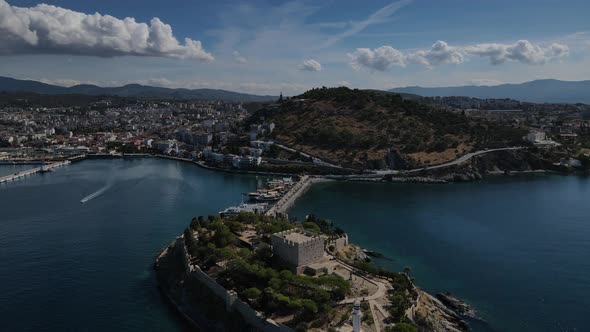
[265,145]
[246,150]
[535,136]
[298,248]
[246,162]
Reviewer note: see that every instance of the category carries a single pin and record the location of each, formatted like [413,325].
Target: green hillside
[365,129]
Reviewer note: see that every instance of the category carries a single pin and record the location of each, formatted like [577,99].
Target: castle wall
[229,297]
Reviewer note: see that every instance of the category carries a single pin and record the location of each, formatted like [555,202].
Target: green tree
[252,293]
[195,224]
[401,327]
[309,306]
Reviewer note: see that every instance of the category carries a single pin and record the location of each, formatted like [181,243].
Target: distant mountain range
[539,91]
[131,90]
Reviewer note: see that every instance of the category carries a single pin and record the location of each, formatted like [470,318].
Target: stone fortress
[298,248]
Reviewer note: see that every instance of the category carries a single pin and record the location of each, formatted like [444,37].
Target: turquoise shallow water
[68,266]
[518,248]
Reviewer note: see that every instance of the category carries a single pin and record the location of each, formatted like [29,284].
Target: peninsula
[262,270]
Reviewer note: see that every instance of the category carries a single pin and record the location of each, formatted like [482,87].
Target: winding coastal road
[457,161]
[315,160]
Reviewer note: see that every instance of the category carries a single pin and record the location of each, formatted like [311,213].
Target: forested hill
[365,129]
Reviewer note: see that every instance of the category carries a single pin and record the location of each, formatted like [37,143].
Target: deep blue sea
[68,266]
[517,248]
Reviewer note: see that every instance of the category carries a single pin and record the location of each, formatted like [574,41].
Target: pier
[32,171]
[283,204]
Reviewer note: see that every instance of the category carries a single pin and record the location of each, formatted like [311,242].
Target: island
[253,271]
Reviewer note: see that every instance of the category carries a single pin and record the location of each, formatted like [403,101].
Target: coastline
[443,175]
[427,312]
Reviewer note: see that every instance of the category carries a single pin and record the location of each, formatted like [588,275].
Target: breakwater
[44,168]
[293,194]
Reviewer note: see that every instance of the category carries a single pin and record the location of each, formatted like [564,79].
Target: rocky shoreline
[198,307]
[456,304]
[432,315]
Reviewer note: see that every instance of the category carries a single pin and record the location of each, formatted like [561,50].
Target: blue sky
[265,47]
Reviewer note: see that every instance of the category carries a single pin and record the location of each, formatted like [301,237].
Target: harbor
[289,198]
[275,198]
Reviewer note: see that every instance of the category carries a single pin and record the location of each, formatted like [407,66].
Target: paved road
[381,286]
[315,160]
[379,173]
[457,161]
[376,319]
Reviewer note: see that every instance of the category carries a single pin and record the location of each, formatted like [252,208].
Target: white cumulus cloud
[522,51]
[46,29]
[381,58]
[311,65]
[441,52]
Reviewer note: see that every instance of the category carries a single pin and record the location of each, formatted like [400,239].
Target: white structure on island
[298,248]
[536,136]
[356,317]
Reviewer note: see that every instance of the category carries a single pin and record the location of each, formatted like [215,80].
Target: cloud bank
[311,65]
[522,51]
[46,29]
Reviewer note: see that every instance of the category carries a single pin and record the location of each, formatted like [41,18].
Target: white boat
[253,208]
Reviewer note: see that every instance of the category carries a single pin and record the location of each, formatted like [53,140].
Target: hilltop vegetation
[277,292]
[365,129]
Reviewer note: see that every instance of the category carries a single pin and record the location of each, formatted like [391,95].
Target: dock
[289,198]
[32,171]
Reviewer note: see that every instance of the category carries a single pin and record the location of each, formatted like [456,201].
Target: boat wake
[95,194]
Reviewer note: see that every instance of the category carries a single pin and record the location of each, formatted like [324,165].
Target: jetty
[289,198]
[43,168]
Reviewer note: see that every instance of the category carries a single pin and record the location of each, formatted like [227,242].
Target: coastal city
[223,134]
[233,137]
[294,166]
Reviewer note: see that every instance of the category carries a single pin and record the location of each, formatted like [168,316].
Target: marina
[292,195]
[275,198]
